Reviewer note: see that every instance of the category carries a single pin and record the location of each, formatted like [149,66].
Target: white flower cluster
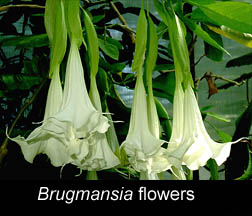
[74,127]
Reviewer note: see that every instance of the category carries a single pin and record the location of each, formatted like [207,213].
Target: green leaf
[73,23]
[98,18]
[27,41]
[19,81]
[109,49]
[235,15]
[243,123]
[240,61]
[238,154]
[202,34]
[242,38]
[59,35]
[200,2]
[224,136]
[162,30]
[93,47]
[31,66]
[151,53]
[212,165]
[248,172]
[49,19]
[199,16]
[206,108]
[114,42]
[141,41]
[177,35]
[2,94]
[102,81]
[117,67]
[217,116]
[164,86]
[4,2]
[164,67]
[164,118]
[212,52]
[162,13]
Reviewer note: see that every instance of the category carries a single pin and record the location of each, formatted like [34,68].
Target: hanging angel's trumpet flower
[190,143]
[100,154]
[142,147]
[78,120]
[142,144]
[78,124]
[39,141]
[72,130]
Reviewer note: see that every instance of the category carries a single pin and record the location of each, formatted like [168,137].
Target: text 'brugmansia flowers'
[190,143]
[142,144]
[73,130]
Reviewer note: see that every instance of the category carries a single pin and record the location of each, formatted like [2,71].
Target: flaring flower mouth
[72,127]
[190,143]
[142,147]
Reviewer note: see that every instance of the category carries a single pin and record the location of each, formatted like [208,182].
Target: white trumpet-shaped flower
[39,141]
[143,149]
[72,130]
[190,144]
[100,154]
[79,126]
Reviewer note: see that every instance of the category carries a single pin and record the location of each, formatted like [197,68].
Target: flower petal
[100,155]
[196,146]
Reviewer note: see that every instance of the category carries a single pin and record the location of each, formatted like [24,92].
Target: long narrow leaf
[93,47]
[141,41]
[202,34]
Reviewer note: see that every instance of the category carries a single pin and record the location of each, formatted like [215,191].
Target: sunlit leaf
[235,15]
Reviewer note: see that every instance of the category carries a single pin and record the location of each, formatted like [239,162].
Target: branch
[118,27]
[238,82]
[88,3]
[123,21]
[7,7]
[3,148]
[239,79]
[228,80]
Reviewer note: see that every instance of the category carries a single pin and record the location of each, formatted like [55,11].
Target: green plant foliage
[212,52]
[240,61]
[34,40]
[27,41]
[203,34]
[227,13]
